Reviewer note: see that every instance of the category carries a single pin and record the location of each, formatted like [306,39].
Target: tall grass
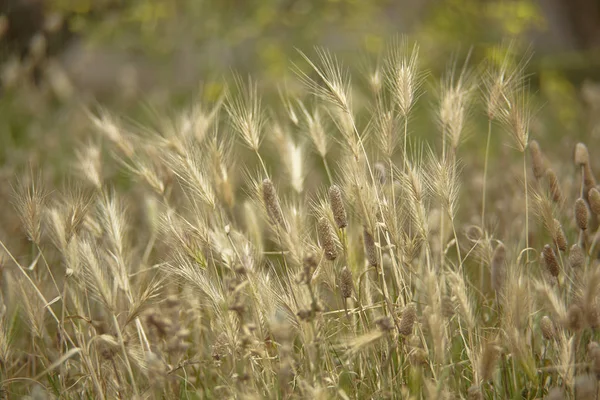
[313,247]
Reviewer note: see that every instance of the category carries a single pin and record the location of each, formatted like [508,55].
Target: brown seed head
[582,157]
[370,248]
[488,361]
[385,324]
[337,206]
[537,160]
[576,256]
[272,203]
[498,267]
[327,238]
[309,265]
[574,318]
[594,201]
[474,393]
[346,283]
[553,186]
[409,316]
[558,235]
[551,261]
[547,328]
[581,214]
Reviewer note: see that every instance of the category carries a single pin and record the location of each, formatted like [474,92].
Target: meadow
[392,233]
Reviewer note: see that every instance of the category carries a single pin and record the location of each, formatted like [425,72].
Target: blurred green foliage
[260,38]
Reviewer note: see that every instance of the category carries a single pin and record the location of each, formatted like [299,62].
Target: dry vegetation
[315,248]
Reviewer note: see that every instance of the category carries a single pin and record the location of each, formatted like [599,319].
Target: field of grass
[394,234]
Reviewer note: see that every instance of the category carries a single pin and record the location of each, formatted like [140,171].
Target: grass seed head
[576,256]
[547,328]
[337,206]
[370,248]
[574,320]
[409,316]
[489,358]
[594,201]
[271,201]
[582,157]
[537,160]
[346,283]
[558,236]
[554,186]
[581,214]
[474,393]
[550,260]
[327,238]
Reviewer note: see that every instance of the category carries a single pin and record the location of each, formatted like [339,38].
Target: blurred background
[58,57]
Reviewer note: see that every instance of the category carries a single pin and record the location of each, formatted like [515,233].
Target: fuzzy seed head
[581,214]
[594,200]
[574,318]
[537,160]
[553,186]
[370,248]
[558,235]
[409,316]
[346,283]
[582,157]
[576,256]
[488,361]
[337,206]
[551,261]
[272,205]
[474,393]
[498,267]
[309,265]
[327,238]
[385,324]
[547,328]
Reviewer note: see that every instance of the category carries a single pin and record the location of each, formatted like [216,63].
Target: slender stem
[483,197]
[125,356]
[328,171]
[485,168]
[526,209]
[262,163]
[405,144]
